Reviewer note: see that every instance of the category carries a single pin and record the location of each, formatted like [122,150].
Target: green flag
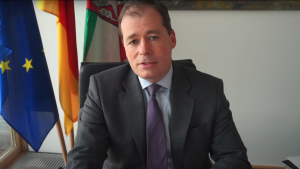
[101,38]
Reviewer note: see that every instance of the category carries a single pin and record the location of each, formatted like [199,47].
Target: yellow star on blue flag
[4,66]
[27,65]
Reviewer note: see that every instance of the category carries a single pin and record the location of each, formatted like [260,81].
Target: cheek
[165,53]
[164,47]
[131,58]
[129,54]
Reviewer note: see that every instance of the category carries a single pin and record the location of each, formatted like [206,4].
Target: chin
[147,77]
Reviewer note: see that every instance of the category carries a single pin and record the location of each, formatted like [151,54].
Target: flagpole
[61,140]
[72,138]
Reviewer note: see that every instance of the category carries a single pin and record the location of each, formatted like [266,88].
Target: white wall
[256,53]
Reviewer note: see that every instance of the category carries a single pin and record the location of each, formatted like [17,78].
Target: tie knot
[152,89]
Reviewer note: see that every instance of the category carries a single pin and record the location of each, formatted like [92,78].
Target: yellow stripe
[48,6]
[67,95]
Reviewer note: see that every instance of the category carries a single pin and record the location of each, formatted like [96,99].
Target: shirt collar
[166,81]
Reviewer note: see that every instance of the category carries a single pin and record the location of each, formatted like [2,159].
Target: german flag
[67,57]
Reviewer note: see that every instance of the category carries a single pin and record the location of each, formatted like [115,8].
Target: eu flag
[27,101]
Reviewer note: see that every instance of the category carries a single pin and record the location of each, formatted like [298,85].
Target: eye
[153,37]
[133,42]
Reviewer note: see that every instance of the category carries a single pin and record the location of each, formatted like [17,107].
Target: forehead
[146,17]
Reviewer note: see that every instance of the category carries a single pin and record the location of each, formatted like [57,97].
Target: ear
[173,39]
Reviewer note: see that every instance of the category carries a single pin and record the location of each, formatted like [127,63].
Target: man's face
[147,44]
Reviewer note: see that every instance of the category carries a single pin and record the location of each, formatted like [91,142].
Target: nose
[145,48]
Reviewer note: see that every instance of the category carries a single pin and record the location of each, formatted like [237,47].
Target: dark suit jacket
[111,125]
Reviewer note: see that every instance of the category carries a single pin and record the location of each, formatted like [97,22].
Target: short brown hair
[158,6]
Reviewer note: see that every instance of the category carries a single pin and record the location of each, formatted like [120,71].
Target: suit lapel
[133,105]
[182,107]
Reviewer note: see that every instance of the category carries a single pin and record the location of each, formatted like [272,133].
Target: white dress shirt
[163,99]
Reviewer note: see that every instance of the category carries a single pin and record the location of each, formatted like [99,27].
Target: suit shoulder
[115,71]
[114,75]
[203,85]
[194,74]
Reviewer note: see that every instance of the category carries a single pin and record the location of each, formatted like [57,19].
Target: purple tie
[156,142]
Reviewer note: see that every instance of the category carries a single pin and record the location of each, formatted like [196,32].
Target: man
[117,127]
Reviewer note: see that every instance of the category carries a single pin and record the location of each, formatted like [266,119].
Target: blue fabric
[27,101]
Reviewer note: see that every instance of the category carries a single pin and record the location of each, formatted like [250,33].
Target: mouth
[147,64]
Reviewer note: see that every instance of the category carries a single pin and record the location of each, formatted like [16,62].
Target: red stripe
[67,19]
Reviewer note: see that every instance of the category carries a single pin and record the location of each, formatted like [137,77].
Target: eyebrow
[148,32]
